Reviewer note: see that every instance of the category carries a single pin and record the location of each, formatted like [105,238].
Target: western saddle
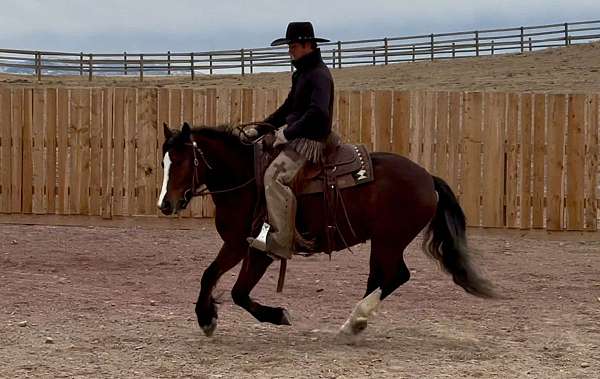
[345,166]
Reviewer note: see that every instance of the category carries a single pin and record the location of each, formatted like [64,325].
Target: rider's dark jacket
[309,106]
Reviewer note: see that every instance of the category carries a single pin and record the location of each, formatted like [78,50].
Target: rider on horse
[307,114]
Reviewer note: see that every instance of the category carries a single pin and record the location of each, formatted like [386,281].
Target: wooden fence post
[453,49]
[169,62]
[192,66]
[492,47]
[210,64]
[566,34]
[476,43]
[90,67]
[339,45]
[522,39]
[251,63]
[38,65]
[530,45]
[385,49]
[242,61]
[432,45]
[374,58]
[81,63]
[141,67]
[125,62]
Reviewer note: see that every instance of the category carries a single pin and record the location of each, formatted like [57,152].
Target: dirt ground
[119,302]
[573,69]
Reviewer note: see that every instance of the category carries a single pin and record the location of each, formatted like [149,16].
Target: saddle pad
[353,167]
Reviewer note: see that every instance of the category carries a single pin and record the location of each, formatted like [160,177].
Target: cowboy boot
[267,244]
[277,236]
[276,239]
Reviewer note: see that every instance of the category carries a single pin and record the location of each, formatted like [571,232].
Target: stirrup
[260,242]
[257,244]
[262,236]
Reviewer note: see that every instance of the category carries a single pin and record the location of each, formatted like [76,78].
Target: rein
[205,191]
[197,150]
[241,129]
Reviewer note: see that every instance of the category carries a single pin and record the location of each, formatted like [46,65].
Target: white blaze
[166,165]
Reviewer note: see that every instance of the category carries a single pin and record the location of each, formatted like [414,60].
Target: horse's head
[184,170]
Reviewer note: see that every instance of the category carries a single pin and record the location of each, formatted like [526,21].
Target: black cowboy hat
[298,32]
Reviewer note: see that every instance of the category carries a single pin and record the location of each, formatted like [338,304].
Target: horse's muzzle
[166,208]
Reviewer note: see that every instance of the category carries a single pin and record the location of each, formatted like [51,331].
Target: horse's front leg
[254,266]
[206,309]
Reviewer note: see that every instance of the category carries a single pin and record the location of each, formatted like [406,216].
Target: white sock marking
[361,312]
[370,303]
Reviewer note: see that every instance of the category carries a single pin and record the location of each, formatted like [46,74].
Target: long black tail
[445,240]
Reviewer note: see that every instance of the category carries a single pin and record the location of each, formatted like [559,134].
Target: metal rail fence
[336,54]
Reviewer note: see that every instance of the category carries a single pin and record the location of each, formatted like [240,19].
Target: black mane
[227,133]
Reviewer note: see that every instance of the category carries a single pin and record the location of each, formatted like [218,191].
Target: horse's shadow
[267,339]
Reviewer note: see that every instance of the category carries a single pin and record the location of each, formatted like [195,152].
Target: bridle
[192,192]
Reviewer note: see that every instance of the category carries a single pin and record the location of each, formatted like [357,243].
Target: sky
[111,26]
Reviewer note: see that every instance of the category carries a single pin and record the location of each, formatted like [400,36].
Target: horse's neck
[233,209]
[232,168]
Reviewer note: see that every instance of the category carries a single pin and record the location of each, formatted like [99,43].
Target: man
[307,112]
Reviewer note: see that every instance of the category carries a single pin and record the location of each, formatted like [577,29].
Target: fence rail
[516,160]
[336,54]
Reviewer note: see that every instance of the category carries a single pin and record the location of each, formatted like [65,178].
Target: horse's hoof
[354,327]
[210,328]
[285,318]
[346,330]
[359,325]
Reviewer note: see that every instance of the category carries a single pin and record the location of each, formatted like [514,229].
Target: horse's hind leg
[253,268]
[387,272]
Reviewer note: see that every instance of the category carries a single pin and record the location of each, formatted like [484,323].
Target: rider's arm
[277,118]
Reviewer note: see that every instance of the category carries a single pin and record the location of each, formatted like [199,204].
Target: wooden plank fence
[516,160]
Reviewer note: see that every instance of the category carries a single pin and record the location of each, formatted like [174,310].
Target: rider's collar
[308,61]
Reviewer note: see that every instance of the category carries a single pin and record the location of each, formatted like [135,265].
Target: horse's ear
[186,130]
[167,131]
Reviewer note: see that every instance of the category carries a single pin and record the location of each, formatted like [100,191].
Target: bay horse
[390,211]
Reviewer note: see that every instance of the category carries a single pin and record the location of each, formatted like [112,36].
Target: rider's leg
[281,203]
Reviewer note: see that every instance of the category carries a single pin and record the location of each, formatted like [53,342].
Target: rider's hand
[249,135]
[279,138]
